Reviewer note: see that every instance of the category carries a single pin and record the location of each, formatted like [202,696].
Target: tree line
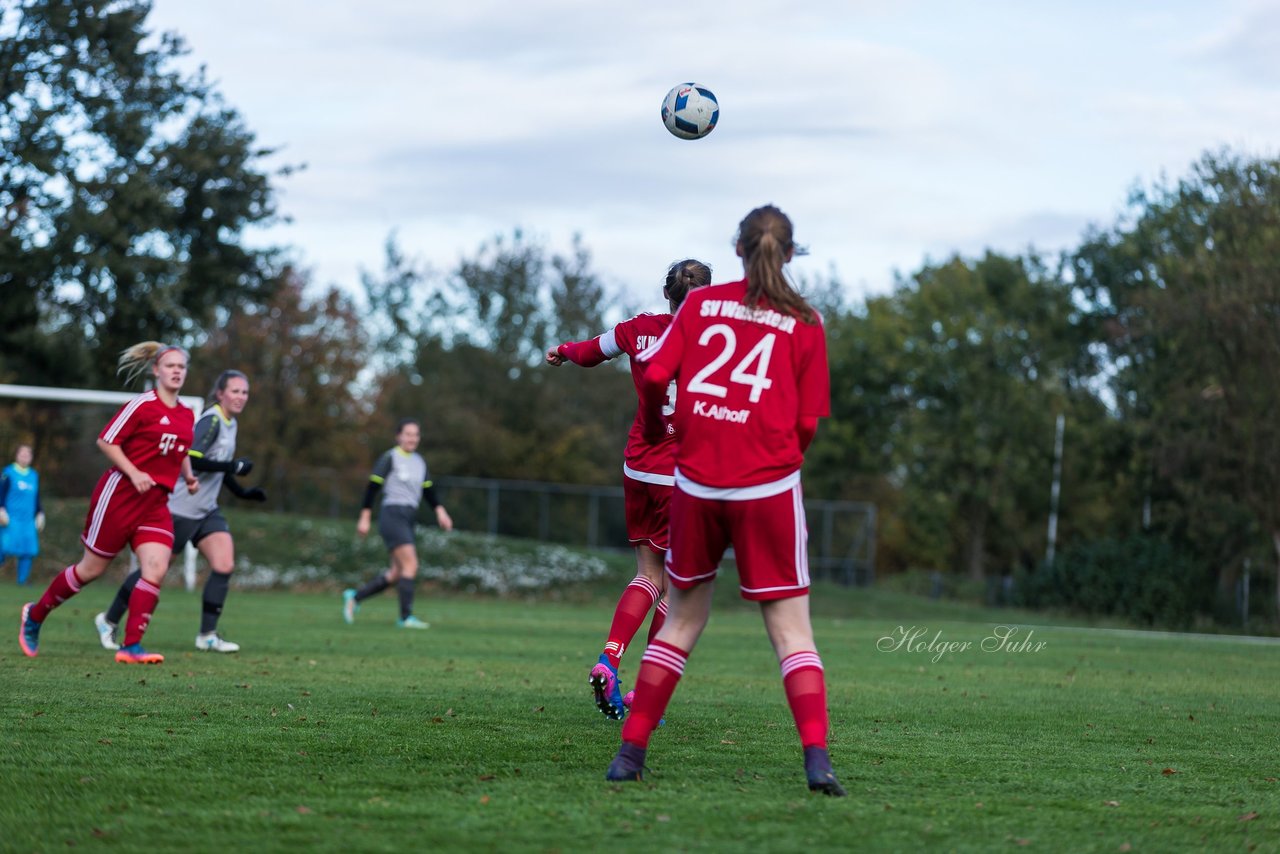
[127,189]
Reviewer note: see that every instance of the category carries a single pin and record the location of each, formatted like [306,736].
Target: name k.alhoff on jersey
[720,413]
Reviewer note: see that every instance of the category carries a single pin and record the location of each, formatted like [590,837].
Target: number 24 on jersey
[752,370]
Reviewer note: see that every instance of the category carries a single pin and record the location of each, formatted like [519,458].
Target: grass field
[479,734]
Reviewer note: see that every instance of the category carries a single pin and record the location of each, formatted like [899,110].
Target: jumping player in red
[147,444]
[750,363]
[647,481]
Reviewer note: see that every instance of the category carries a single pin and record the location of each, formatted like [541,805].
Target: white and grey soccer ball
[690,111]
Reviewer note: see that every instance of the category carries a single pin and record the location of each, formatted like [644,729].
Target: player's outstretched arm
[586,354]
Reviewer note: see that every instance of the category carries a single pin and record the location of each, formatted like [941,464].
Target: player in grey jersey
[196,517]
[401,473]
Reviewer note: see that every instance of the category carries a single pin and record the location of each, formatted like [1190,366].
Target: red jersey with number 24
[155,437]
[744,378]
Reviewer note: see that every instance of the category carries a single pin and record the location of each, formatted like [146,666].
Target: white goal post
[86,395]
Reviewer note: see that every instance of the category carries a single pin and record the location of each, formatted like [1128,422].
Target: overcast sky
[890,132]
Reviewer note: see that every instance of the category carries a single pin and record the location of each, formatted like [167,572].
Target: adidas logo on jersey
[164,419]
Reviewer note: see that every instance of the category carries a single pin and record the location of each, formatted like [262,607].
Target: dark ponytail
[684,276]
[220,384]
[766,245]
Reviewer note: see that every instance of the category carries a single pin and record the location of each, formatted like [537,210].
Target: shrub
[1140,578]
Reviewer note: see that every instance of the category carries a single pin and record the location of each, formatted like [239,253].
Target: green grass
[479,734]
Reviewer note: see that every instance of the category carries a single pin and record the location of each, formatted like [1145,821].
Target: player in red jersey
[147,444]
[647,480]
[750,362]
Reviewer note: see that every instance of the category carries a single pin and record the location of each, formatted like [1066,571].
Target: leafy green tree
[854,454]
[945,393]
[1187,289]
[125,186]
[464,352]
[306,425]
[401,306]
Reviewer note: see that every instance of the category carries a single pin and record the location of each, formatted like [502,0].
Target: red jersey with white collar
[642,458]
[155,437]
[745,376]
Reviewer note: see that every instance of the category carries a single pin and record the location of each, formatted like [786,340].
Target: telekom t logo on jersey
[167,441]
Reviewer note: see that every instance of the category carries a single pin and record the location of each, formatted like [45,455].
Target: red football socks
[628,617]
[806,688]
[142,604]
[660,672]
[64,585]
[659,617]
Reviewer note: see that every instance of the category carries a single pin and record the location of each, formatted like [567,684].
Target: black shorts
[395,524]
[194,530]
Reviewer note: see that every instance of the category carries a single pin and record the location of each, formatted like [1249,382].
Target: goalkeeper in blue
[21,518]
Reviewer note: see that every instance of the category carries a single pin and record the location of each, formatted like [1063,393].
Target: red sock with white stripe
[142,604]
[628,617]
[660,672]
[659,617]
[64,585]
[806,688]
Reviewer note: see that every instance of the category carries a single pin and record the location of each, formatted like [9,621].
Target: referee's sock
[215,596]
[373,588]
[405,588]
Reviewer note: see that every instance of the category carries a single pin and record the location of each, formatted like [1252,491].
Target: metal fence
[842,537]
[841,533]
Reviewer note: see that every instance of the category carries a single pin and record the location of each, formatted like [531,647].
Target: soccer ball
[690,111]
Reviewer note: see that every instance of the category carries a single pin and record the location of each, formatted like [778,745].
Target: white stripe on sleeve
[609,344]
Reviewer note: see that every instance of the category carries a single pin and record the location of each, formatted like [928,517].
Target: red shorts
[648,506]
[768,535]
[119,516]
